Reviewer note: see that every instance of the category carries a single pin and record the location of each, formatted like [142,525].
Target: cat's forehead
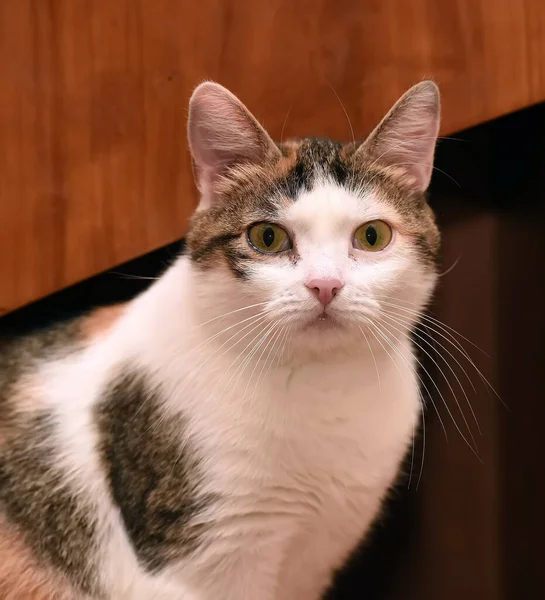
[264,190]
[331,207]
[325,191]
[312,159]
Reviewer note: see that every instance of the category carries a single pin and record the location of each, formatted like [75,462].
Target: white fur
[304,450]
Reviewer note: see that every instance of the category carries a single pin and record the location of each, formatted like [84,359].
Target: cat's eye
[373,236]
[269,238]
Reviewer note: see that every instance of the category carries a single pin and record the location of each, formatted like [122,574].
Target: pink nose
[325,289]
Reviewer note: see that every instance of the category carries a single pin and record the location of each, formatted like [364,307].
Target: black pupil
[268,236]
[371,235]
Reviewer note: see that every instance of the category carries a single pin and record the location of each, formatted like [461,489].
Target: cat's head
[313,236]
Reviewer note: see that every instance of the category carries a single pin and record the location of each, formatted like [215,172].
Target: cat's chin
[323,322]
[318,337]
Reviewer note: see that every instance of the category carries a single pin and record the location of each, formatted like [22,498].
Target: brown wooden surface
[93,161]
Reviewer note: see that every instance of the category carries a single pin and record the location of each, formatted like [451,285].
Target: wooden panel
[93,160]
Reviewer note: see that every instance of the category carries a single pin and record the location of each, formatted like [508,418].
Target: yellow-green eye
[268,238]
[373,236]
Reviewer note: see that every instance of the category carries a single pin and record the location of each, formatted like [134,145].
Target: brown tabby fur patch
[56,521]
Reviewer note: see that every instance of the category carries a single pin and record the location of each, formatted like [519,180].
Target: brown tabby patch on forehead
[253,193]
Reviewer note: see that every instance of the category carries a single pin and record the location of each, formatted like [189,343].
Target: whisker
[254,351]
[464,355]
[258,319]
[273,339]
[453,341]
[278,356]
[419,377]
[277,346]
[423,450]
[223,376]
[432,319]
[400,145]
[408,164]
[248,358]
[422,403]
[422,418]
[453,139]
[444,377]
[412,456]
[344,110]
[284,123]
[443,399]
[232,312]
[402,322]
[425,330]
[207,341]
[284,345]
[240,355]
[132,276]
[451,268]
[373,357]
[257,322]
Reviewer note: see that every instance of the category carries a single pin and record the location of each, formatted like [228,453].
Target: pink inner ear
[222,133]
[218,137]
[407,135]
[411,145]
[412,149]
[219,133]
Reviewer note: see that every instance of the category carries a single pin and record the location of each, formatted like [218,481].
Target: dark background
[474,527]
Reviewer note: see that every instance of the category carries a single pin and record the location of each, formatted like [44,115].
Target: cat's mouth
[324,321]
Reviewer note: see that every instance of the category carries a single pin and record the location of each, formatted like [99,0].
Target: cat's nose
[325,289]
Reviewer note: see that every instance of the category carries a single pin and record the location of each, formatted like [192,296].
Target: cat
[232,432]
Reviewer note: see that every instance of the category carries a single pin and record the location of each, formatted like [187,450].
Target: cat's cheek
[275,278]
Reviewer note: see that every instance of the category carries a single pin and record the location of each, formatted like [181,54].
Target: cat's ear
[222,134]
[407,135]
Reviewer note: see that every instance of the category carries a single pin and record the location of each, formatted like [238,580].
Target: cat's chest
[322,432]
[296,465]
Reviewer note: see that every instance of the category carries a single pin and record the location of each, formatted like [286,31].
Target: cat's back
[20,360]
[22,357]
[48,531]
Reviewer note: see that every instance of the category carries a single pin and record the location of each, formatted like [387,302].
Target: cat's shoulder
[23,350]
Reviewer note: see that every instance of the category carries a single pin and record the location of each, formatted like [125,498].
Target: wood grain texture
[93,159]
